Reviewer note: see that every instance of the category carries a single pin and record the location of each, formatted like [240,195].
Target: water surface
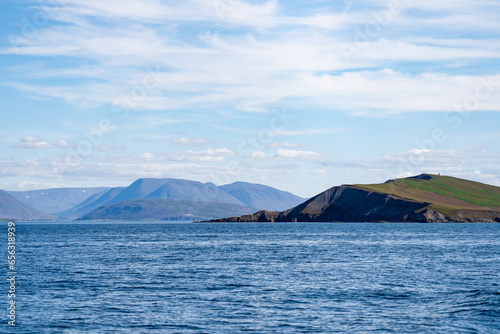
[260,278]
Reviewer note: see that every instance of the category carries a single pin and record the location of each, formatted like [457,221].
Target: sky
[298,95]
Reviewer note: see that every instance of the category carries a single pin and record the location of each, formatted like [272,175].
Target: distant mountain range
[148,199]
[13,209]
[90,204]
[174,189]
[423,198]
[245,197]
[166,209]
[55,200]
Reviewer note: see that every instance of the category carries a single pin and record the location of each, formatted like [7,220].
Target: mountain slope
[55,200]
[91,203]
[13,209]
[262,197]
[138,189]
[169,209]
[425,198]
[193,191]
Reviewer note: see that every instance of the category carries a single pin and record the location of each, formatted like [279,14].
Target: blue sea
[147,277]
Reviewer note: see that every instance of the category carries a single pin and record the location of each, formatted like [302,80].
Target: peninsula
[422,198]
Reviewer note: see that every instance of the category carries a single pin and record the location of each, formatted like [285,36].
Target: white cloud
[283,154]
[268,58]
[187,142]
[121,169]
[474,163]
[283,145]
[38,143]
[209,155]
[307,132]
[388,91]
[109,147]
[214,152]
[296,155]
[257,155]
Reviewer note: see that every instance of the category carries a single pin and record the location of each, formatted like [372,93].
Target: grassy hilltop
[454,197]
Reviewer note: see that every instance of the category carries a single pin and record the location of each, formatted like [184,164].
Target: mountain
[153,189]
[90,204]
[423,198]
[239,193]
[13,209]
[174,189]
[193,191]
[55,200]
[262,197]
[165,209]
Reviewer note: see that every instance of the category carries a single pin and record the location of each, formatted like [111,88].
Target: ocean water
[254,278]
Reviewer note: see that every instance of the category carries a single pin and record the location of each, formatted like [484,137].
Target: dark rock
[422,177]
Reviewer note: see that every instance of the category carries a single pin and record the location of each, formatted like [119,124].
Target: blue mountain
[243,194]
[174,189]
[262,197]
[13,209]
[193,191]
[55,200]
[90,204]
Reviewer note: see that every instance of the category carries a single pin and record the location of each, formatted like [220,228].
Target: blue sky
[299,95]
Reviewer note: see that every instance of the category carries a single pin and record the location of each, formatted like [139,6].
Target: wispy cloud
[475,163]
[189,142]
[33,142]
[284,154]
[222,66]
[307,132]
[281,57]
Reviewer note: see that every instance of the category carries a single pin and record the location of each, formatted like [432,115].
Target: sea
[166,277]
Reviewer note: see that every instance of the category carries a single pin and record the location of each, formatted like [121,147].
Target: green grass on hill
[468,191]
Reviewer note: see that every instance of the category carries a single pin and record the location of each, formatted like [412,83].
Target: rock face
[424,198]
[346,203]
[13,209]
